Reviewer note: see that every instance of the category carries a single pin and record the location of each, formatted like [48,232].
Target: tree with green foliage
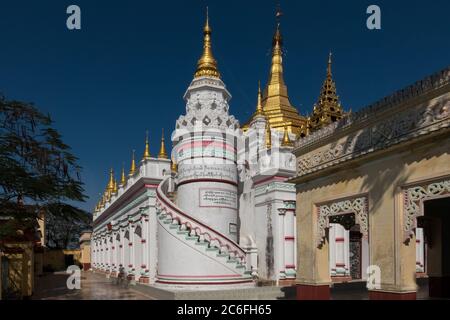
[37,169]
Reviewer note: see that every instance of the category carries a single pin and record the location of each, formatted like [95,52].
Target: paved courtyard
[52,286]
[93,287]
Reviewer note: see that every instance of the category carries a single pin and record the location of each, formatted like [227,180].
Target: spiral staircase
[192,253]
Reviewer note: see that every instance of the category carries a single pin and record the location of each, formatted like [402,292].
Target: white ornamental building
[221,212]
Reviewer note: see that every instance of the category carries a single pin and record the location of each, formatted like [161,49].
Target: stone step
[183,232]
[174,226]
[222,255]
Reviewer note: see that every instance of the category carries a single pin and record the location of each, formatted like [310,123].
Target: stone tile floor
[52,286]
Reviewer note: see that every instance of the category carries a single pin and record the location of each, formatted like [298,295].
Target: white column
[131,265]
[281,244]
[110,252]
[347,252]
[138,261]
[420,252]
[289,252]
[123,251]
[145,246]
[340,249]
[100,253]
[113,252]
[332,248]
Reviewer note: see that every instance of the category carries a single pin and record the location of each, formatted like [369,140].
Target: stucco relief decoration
[357,206]
[413,203]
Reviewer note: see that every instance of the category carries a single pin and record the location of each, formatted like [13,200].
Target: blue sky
[128,68]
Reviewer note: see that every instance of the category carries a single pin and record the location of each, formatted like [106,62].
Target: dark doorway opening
[436,225]
[69,260]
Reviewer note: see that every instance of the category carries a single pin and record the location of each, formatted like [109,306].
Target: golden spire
[268,135]
[286,140]
[162,150]
[207,65]
[327,108]
[110,186]
[174,166]
[276,69]
[115,186]
[259,108]
[123,179]
[329,65]
[276,104]
[133,165]
[147,149]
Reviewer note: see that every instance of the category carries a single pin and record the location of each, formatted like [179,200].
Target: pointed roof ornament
[123,179]
[328,108]
[259,107]
[329,64]
[110,186]
[268,135]
[174,166]
[276,103]
[147,148]
[207,64]
[162,150]
[115,189]
[133,164]
[286,142]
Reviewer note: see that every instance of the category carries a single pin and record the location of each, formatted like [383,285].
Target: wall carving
[358,206]
[389,130]
[413,198]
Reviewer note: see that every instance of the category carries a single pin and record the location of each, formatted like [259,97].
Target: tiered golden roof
[275,101]
[207,65]
[328,108]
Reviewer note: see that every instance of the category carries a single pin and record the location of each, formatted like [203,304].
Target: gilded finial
[173,166]
[123,179]
[268,135]
[207,65]
[276,70]
[162,150]
[329,64]
[115,189]
[147,148]
[286,140]
[110,186]
[133,164]
[259,108]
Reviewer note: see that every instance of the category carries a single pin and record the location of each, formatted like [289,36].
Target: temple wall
[381,179]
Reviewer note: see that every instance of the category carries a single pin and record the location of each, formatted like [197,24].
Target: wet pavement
[52,286]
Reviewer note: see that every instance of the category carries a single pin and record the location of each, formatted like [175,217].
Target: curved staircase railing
[196,228]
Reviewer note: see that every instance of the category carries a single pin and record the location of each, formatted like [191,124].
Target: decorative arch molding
[358,205]
[413,199]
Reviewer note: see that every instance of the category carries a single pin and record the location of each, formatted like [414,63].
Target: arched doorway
[348,249]
[436,223]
